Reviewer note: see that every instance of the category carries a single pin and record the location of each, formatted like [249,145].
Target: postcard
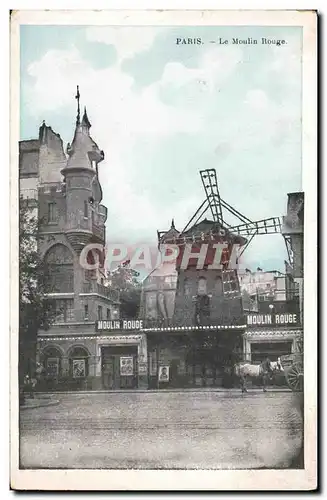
[163,180]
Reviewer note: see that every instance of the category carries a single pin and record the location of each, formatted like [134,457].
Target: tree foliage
[126,281]
[35,308]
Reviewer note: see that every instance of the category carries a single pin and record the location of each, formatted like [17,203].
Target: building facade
[67,194]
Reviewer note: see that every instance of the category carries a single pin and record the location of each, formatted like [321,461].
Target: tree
[35,308]
[126,281]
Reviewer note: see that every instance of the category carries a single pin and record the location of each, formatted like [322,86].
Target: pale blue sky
[162,112]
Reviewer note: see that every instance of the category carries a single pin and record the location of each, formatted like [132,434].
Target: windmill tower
[208,294]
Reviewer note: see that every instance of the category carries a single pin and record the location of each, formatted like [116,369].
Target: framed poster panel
[126,366]
[79,368]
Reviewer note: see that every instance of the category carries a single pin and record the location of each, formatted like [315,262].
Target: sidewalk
[38,401]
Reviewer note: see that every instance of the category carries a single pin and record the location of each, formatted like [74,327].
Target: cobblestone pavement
[200,430]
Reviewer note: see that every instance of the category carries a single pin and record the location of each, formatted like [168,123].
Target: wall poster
[79,368]
[53,367]
[163,373]
[126,366]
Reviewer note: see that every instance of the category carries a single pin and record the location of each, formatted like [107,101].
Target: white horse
[244,370]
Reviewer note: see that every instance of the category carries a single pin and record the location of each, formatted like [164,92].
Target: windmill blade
[272,225]
[210,184]
[254,233]
[202,209]
[234,212]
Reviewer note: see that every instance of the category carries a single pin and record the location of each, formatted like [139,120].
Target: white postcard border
[181,479]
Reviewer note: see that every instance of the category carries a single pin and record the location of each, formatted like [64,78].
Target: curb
[150,391]
[45,403]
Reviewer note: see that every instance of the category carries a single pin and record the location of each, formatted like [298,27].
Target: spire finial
[172,224]
[85,120]
[77,96]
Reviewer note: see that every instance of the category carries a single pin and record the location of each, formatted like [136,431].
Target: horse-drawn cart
[293,368]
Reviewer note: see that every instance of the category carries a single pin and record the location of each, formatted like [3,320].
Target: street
[154,430]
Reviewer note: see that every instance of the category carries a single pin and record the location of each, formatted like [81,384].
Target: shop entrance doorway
[272,350]
[119,367]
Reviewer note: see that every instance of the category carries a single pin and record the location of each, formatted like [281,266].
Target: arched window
[202,286]
[187,287]
[60,269]
[51,361]
[78,363]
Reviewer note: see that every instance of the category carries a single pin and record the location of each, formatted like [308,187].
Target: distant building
[272,300]
[293,232]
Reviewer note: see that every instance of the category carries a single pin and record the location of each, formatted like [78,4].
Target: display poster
[126,366]
[163,373]
[53,367]
[79,368]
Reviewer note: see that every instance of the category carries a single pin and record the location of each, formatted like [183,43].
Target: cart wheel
[294,377]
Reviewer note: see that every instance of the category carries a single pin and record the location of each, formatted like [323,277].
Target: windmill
[214,204]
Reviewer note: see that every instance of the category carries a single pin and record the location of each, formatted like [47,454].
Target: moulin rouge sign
[120,324]
[283,319]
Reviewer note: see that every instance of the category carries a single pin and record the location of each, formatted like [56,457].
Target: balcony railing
[94,287]
[102,212]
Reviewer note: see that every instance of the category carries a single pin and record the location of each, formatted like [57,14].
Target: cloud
[215,66]
[128,41]
[219,120]
[118,110]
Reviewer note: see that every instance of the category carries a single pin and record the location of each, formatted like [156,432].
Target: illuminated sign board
[281,320]
[119,324]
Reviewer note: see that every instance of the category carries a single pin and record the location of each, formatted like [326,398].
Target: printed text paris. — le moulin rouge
[233,41]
